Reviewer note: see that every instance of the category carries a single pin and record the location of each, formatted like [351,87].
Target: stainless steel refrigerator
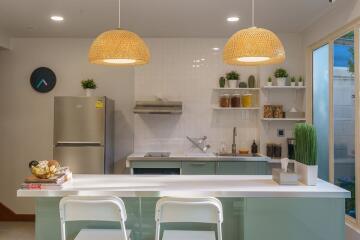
[84,134]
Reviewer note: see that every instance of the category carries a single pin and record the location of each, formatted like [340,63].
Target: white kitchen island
[255,207]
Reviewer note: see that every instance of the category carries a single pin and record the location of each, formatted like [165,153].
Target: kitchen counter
[255,207]
[190,185]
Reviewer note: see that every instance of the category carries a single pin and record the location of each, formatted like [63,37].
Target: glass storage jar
[235,101]
[246,100]
[224,101]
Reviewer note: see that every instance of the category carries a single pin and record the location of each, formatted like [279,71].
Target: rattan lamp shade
[119,47]
[254,46]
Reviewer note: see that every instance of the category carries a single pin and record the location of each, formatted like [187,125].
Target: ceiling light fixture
[254,46]
[215,48]
[119,48]
[57,18]
[233,19]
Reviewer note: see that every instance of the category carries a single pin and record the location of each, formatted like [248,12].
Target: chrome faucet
[233,146]
[200,143]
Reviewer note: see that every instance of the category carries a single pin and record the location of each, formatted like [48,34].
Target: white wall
[26,123]
[335,18]
[171,75]
[4,40]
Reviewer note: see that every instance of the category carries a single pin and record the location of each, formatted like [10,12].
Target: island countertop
[186,186]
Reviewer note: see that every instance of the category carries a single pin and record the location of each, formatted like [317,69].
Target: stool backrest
[197,210]
[81,208]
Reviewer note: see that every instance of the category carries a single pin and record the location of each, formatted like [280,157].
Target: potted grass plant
[232,78]
[281,76]
[306,153]
[293,81]
[300,81]
[89,86]
[269,82]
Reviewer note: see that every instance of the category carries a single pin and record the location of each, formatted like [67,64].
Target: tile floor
[17,231]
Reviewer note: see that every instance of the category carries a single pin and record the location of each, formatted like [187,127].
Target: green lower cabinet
[294,219]
[244,219]
[242,168]
[198,168]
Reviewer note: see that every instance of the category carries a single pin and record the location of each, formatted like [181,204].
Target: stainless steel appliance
[83,134]
[154,168]
[158,107]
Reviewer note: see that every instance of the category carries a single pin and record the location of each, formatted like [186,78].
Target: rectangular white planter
[307,174]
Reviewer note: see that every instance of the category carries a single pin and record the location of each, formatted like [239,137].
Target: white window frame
[353,26]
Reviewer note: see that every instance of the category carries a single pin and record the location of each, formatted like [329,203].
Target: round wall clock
[43,80]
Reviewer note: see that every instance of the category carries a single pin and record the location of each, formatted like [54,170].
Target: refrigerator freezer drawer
[81,160]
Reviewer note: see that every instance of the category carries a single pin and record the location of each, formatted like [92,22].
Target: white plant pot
[307,174]
[89,92]
[293,84]
[269,84]
[281,81]
[232,83]
[300,84]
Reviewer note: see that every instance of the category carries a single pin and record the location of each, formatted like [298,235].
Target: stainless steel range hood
[158,107]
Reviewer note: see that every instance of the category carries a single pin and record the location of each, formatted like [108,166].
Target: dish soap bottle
[254,148]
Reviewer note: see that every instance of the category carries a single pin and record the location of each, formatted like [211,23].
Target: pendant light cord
[119,15]
[253,13]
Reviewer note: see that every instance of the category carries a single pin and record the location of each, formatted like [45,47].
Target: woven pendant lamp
[119,47]
[254,46]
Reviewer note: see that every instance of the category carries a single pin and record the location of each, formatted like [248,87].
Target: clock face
[43,79]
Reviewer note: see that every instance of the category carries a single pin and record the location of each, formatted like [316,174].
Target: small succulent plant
[222,82]
[88,84]
[281,73]
[232,75]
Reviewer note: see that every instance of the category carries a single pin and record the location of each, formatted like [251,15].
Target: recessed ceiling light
[215,48]
[233,19]
[57,18]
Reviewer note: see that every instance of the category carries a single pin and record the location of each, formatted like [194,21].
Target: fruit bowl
[44,169]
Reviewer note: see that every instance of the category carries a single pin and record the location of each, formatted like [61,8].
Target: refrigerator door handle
[77,143]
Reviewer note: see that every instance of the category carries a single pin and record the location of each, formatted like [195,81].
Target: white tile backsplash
[187,69]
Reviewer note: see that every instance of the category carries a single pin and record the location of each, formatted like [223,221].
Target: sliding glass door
[321,107]
[336,112]
[344,117]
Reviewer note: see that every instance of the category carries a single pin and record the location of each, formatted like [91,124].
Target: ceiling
[155,18]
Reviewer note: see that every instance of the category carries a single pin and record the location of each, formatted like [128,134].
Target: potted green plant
[251,81]
[232,78]
[269,82]
[222,82]
[89,86]
[306,153]
[293,81]
[281,76]
[300,81]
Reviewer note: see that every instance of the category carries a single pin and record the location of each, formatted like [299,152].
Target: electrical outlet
[281,132]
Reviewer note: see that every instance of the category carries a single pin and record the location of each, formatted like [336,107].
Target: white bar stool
[193,210]
[76,208]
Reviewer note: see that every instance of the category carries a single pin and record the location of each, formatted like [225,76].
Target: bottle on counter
[254,148]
